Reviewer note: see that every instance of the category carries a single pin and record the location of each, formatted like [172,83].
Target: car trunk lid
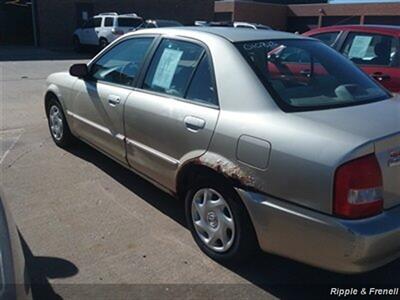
[387,150]
[376,124]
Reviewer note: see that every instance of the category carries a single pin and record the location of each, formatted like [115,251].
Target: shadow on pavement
[41,268]
[279,276]
[21,53]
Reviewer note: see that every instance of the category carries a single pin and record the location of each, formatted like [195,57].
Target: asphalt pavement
[92,229]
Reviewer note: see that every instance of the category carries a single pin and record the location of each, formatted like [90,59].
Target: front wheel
[58,126]
[219,221]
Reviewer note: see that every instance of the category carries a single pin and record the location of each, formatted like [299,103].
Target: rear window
[308,75]
[129,22]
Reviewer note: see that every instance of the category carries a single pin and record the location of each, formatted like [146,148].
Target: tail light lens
[358,189]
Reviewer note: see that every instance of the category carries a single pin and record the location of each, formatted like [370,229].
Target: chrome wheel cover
[213,220]
[56,122]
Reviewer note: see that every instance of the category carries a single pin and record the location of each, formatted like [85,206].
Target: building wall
[186,11]
[274,15]
[302,17]
[57,20]
[257,12]
[291,1]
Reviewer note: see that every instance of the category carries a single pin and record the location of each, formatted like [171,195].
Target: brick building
[50,23]
[302,17]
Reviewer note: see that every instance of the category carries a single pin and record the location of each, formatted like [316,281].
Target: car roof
[230,33]
[392,29]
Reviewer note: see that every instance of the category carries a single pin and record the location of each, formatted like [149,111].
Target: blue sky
[355,1]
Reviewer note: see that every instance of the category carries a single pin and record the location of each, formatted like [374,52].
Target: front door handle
[113,100]
[194,124]
[380,76]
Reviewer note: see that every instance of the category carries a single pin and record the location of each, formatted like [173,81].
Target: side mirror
[79,70]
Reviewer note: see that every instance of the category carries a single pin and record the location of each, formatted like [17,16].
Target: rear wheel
[58,126]
[219,222]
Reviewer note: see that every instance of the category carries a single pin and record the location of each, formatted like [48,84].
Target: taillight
[358,188]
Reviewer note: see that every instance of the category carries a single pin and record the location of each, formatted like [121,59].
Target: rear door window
[172,67]
[202,88]
[109,22]
[328,38]
[371,49]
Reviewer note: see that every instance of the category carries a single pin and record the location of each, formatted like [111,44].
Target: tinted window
[201,88]
[312,76]
[121,64]
[97,22]
[371,49]
[172,67]
[129,22]
[328,38]
[109,22]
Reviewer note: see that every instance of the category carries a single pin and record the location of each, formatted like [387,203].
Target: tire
[58,126]
[242,241]
[103,43]
[77,44]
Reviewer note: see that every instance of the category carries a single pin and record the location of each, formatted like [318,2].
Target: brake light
[358,188]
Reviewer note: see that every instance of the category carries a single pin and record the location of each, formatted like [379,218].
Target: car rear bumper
[346,246]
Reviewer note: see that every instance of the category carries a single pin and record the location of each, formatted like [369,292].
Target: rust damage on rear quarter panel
[228,169]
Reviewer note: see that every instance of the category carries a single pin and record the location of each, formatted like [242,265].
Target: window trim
[101,54]
[206,51]
[349,33]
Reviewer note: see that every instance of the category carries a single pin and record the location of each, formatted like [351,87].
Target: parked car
[233,24]
[14,280]
[160,24]
[374,48]
[298,153]
[104,28]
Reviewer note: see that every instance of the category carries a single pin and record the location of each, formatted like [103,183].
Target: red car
[374,48]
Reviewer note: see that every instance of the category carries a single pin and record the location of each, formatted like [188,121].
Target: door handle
[380,76]
[194,124]
[113,100]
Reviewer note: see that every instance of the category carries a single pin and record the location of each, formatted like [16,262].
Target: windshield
[308,75]
[129,22]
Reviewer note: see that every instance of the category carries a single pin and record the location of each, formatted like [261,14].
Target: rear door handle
[113,100]
[194,124]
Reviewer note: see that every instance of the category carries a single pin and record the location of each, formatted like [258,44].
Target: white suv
[104,28]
